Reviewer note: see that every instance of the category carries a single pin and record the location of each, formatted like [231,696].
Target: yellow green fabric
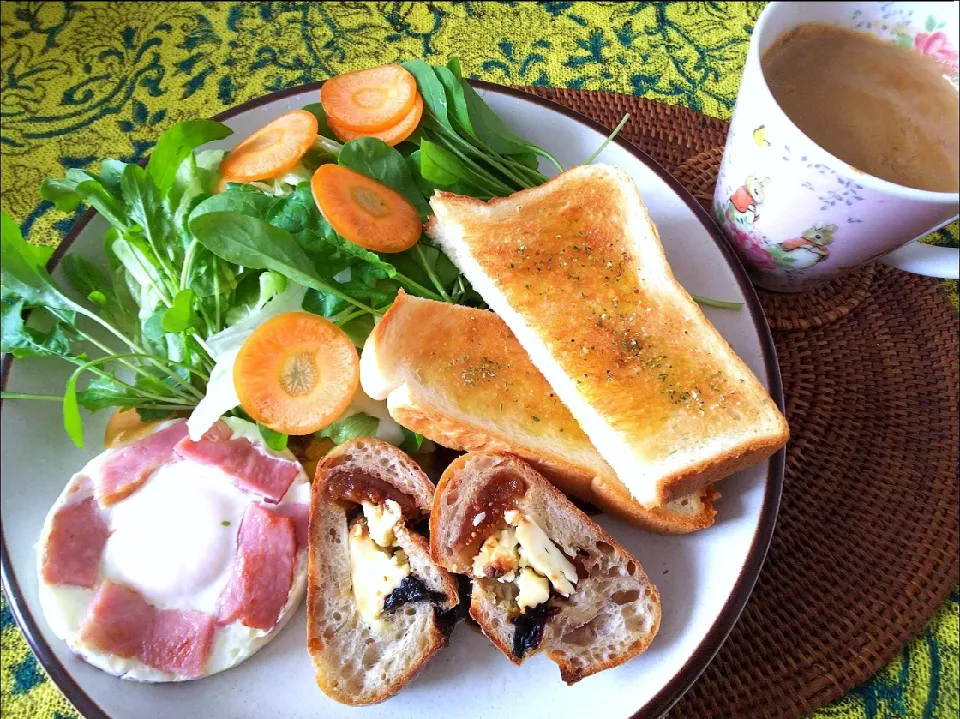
[84,81]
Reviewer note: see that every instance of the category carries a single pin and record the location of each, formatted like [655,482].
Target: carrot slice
[123,426]
[272,150]
[369,100]
[364,211]
[392,135]
[296,373]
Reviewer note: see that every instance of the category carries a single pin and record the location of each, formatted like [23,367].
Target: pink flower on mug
[937,46]
[754,254]
[748,246]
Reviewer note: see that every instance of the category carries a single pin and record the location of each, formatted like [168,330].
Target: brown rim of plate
[715,636]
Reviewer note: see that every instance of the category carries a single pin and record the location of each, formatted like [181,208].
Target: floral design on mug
[898,24]
[937,46]
[739,218]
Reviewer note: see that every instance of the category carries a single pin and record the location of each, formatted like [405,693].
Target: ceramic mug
[796,214]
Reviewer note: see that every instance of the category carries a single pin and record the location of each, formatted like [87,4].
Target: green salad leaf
[356,425]
[177,144]
[277,441]
[412,441]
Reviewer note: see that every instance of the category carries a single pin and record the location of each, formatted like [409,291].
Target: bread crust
[489,394]
[446,547]
[589,224]
[329,575]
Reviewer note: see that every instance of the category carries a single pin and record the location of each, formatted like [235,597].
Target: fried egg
[175,542]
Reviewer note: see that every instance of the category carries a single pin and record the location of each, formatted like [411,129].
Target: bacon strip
[250,469]
[75,546]
[123,472]
[263,571]
[179,642]
[122,622]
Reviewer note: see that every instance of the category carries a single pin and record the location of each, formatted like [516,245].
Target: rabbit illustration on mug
[808,249]
[745,202]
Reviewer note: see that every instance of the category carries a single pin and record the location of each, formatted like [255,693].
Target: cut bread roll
[545,577]
[378,607]
[458,376]
[576,270]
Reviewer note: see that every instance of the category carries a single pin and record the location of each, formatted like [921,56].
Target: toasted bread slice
[361,661]
[576,269]
[458,376]
[612,610]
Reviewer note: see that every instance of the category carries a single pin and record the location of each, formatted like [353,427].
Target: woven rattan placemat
[865,548]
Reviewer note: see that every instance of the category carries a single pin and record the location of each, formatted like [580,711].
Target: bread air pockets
[378,607]
[545,578]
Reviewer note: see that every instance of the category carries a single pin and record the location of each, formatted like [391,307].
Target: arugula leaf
[80,186]
[443,168]
[24,278]
[427,188]
[22,341]
[356,425]
[493,132]
[277,441]
[358,329]
[251,242]
[181,316]
[144,280]
[110,173]
[236,198]
[36,254]
[456,102]
[176,144]
[86,278]
[431,90]
[152,415]
[331,253]
[103,392]
[376,159]
[145,209]
[72,421]
[412,442]
[328,305]
[196,179]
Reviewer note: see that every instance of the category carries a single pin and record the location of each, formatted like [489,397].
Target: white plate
[704,578]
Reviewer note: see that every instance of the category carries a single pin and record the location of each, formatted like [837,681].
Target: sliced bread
[576,269]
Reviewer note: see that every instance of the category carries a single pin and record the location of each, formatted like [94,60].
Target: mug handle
[929,260]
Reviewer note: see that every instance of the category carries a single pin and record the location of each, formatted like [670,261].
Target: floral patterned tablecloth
[83,81]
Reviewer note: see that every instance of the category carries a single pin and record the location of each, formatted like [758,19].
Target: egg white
[65,607]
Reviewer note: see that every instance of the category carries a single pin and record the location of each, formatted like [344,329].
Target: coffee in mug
[843,145]
[880,107]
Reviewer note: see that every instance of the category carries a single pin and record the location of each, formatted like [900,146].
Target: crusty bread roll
[359,661]
[576,270]
[458,376]
[613,611]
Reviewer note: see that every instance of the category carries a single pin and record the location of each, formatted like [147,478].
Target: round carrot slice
[369,100]
[392,135]
[272,150]
[364,211]
[296,373]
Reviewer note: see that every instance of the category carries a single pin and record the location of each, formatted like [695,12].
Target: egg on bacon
[167,559]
